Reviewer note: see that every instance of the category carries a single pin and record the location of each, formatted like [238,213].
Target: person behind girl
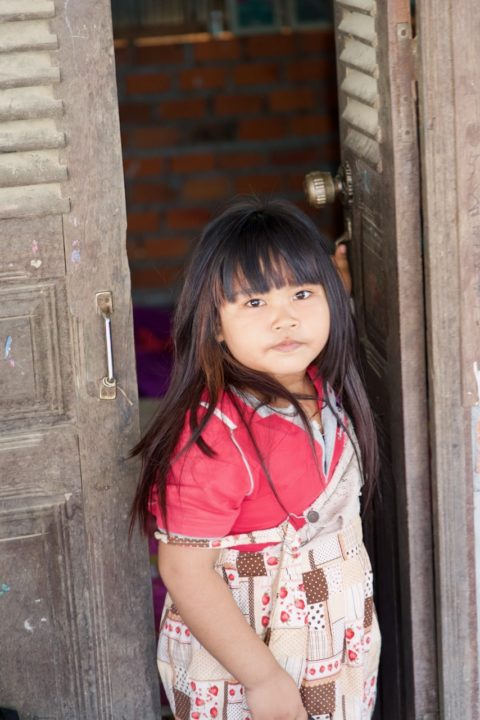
[254,469]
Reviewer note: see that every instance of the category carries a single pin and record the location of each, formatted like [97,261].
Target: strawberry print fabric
[313,587]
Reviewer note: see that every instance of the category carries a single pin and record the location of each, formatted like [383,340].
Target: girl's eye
[254,302]
[303,294]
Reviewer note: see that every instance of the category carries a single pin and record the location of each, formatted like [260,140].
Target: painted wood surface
[76,633]
[379,142]
[449,93]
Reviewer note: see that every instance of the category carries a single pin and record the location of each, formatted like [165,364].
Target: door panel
[378,138]
[77,625]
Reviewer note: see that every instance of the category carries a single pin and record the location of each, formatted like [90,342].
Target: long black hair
[263,244]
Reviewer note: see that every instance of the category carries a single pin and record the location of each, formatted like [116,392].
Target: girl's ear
[219,336]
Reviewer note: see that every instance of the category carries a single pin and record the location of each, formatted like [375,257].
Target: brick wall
[204,121]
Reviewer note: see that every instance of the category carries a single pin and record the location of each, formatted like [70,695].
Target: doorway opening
[216,99]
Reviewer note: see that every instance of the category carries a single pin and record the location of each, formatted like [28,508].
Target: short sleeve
[204,494]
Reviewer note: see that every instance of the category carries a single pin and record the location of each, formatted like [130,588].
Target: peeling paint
[476,372]
[8,347]
[35,247]
[475,439]
[4,589]
[28,625]
[75,255]
[35,263]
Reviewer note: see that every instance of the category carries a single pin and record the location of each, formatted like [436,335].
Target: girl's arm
[207,607]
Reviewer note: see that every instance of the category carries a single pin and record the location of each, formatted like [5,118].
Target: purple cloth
[153,349]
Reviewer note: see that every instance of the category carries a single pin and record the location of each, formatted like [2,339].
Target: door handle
[108,384]
[321,188]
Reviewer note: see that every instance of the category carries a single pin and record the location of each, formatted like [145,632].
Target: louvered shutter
[76,630]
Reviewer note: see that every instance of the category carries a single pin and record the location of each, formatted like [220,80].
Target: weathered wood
[30,102]
[21,35]
[449,93]
[26,168]
[378,135]
[26,9]
[30,135]
[32,200]
[27,68]
[76,598]
[31,250]
[126,683]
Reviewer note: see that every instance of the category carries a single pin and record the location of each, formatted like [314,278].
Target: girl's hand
[340,259]
[275,697]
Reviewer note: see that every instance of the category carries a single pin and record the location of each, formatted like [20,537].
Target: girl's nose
[285,322]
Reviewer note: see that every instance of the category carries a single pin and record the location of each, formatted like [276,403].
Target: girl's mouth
[287,346]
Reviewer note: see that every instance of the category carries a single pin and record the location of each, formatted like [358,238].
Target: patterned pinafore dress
[313,589]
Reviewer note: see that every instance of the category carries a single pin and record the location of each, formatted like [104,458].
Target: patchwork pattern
[182,704]
[318,698]
[368,612]
[316,586]
[324,630]
[251,564]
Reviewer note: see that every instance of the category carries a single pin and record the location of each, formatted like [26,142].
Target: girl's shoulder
[223,420]
[229,412]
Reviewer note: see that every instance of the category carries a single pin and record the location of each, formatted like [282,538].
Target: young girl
[253,471]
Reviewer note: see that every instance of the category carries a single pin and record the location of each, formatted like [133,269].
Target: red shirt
[229,493]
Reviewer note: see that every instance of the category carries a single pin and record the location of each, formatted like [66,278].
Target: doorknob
[321,188]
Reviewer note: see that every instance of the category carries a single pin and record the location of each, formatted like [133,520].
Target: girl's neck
[296,386]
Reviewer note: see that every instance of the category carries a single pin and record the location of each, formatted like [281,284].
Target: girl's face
[279,332]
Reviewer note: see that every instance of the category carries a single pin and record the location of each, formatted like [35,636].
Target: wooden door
[378,131]
[76,628]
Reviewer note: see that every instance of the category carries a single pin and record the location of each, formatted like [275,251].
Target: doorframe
[449,108]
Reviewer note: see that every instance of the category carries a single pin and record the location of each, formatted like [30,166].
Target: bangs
[266,253]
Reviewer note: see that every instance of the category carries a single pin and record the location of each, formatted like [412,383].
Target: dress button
[312,516]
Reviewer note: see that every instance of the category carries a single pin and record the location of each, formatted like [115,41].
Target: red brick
[142,84]
[313,69]
[259,184]
[158,247]
[300,156]
[154,137]
[135,112]
[217,50]
[160,54]
[155,277]
[151,193]
[316,40]
[123,54]
[294,182]
[192,163]
[270,45]
[255,74]
[264,128]
[124,137]
[138,222]
[237,104]
[187,218]
[200,78]
[312,125]
[175,109]
[291,100]
[140,167]
[329,152]
[206,188]
[241,160]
